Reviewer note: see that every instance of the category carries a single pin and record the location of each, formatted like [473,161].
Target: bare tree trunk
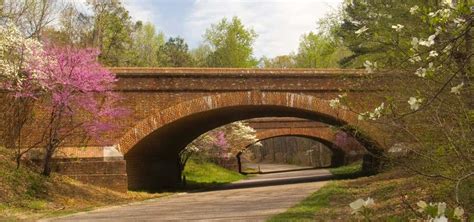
[47,161]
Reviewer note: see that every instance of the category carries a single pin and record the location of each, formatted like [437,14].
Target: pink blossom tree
[222,144]
[77,94]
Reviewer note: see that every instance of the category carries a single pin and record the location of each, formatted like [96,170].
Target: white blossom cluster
[16,55]
[415,103]
[429,42]
[398,27]
[376,114]
[361,204]
[370,67]
[336,102]
[243,132]
[436,211]
[440,211]
[417,43]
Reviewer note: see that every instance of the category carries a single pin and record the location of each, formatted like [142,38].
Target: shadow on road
[273,182]
[284,171]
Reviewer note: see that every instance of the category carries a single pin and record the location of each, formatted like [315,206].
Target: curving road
[254,199]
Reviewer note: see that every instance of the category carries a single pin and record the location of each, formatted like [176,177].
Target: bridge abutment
[152,173]
[98,172]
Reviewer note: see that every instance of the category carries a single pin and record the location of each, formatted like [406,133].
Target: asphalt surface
[253,199]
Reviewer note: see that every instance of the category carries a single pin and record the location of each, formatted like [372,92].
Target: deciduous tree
[78,97]
[428,102]
[112,31]
[231,44]
[146,44]
[174,53]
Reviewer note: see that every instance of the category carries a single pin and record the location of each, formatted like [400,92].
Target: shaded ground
[248,200]
[25,195]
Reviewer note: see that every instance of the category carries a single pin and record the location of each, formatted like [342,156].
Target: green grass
[353,170]
[323,198]
[201,174]
[306,209]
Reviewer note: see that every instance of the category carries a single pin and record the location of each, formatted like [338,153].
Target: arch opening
[300,150]
[341,154]
[152,160]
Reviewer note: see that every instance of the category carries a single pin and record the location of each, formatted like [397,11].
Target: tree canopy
[231,44]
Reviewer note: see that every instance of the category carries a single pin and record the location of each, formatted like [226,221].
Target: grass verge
[350,171]
[202,174]
[395,193]
[304,211]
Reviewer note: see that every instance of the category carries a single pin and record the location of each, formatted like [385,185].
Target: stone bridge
[170,107]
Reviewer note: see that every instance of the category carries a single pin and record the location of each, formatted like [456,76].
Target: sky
[279,23]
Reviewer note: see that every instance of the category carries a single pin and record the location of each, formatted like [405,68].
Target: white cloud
[279,23]
[141,10]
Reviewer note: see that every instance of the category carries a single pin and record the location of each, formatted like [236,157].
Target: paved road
[254,199]
[266,168]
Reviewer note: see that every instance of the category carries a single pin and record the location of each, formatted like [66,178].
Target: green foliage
[426,45]
[200,54]
[283,61]
[323,49]
[204,174]
[231,44]
[348,171]
[380,43]
[111,31]
[145,49]
[305,210]
[319,51]
[174,53]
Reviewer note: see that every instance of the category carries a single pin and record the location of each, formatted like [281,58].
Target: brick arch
[300,105]
[324,134]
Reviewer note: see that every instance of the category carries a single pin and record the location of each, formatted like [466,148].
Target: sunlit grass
[204,174]
[305,210]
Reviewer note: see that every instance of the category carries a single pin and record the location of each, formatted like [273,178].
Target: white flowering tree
[199,145]
[227,140]
[239,135]
[18,81]
[425,49]
[221,143]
